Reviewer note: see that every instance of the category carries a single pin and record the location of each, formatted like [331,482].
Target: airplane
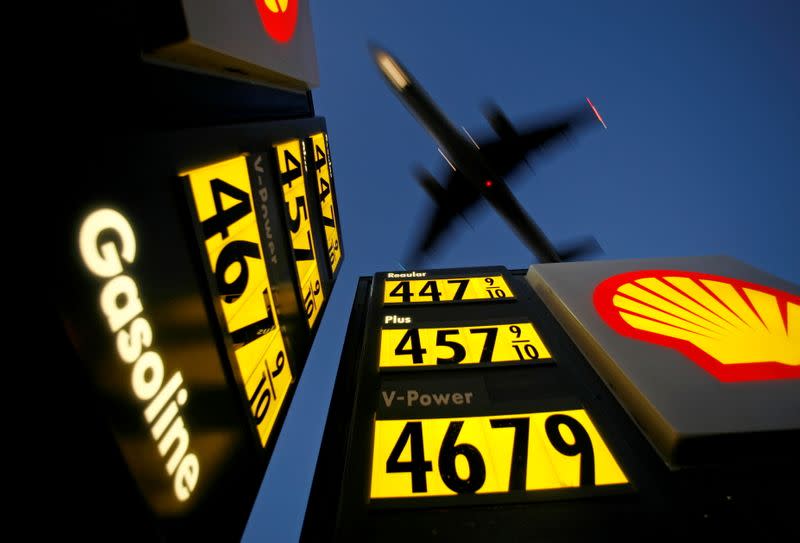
[479,168]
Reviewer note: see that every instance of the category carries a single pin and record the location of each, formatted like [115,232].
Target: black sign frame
[140,179]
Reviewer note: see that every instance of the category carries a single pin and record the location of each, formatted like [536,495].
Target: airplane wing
[458,195]
[513,146]
[451,201]
[503,154]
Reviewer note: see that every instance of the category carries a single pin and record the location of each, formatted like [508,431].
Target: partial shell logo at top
[279,18]
[735,330]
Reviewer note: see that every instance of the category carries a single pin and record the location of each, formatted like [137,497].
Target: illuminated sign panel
[454,289]
[685,343]
[480,343]
[292,178]
[320,155]
[736,330]
[495,454]
[223,200]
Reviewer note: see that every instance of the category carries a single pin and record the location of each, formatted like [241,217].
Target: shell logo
[735,330]
[279,18]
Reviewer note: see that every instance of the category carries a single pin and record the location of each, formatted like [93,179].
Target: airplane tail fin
[576,249]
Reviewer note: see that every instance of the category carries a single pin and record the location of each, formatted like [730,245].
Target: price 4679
[481,455]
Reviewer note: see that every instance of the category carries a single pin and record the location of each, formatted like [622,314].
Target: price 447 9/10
[446,290]
[438,457]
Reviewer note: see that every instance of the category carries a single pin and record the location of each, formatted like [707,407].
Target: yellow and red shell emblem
[279,18]
[735,330]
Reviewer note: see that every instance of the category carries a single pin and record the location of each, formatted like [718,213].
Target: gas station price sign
[194,286]
[223,201]
[292,178]
[443,434]
[320,157]
[566,411]
[480,343]
[460,409]
[489,454]
[455,289]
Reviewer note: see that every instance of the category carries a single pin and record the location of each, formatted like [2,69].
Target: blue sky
[700,157]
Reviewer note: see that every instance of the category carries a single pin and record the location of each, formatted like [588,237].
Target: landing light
[392,70]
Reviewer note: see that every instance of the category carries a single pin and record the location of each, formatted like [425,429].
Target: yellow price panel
[322,164]
[241,281]
[266,387]
[514,342]
[455,289]
[313,297]
[485,455]
[223,200]
[296,201]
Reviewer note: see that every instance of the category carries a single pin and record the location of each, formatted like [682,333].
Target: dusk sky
[700,156]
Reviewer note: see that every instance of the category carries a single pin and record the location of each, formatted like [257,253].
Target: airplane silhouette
[479,168]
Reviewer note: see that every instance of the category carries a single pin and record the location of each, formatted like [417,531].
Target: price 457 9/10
[463,345]
[480,455]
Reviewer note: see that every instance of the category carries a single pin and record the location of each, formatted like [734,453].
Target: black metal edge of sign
[531,497]
[321,516]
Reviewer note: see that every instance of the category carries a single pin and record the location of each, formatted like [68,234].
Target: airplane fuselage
[463,154]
